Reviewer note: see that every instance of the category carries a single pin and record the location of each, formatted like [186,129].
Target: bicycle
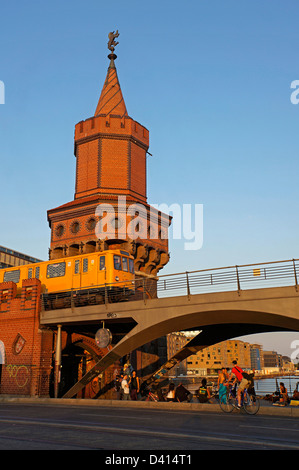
[229,402]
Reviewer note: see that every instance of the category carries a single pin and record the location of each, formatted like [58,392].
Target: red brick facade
[26,350]
[111,153]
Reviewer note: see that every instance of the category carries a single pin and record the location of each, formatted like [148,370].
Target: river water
[264,386]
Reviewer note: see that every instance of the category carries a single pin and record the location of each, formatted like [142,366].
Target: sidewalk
[266,408]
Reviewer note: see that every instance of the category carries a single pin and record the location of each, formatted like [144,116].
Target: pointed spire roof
[111,100]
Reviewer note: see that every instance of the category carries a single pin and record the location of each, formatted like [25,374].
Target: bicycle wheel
[251,404]
[226,403]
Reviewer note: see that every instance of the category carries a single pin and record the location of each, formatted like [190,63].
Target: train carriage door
[92,271]
[76,277]
[88,271]
[102,270]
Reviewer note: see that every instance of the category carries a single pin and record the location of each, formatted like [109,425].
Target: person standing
[125,387]
[134,385]
[222,385]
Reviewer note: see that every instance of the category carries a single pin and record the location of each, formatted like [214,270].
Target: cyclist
[239,376]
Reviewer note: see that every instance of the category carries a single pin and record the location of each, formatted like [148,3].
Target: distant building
[10,258]
[271,359]
[256,356]
[212,358]
[287,364]
[175,342]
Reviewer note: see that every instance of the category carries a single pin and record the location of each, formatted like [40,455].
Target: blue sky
[209,79]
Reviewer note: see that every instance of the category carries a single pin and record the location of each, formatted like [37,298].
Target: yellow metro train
[85,277]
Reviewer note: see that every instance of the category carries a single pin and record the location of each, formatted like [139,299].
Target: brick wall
[27,355]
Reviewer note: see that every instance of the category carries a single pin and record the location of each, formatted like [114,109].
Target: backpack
[246,376]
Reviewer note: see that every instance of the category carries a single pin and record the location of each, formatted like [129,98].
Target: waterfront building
[256,356]
[10,258]
[212,358]
[272,359]
[175,342]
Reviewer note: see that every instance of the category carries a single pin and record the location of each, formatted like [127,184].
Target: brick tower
[110,204]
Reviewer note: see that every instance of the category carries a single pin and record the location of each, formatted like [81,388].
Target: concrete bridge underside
[220,316]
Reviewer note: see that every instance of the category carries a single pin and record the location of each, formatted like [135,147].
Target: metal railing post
[238,279]
[106,295]
[144,291]
[295,273]
[72,299]
[188,286]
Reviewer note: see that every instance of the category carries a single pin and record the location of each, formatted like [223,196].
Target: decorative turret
[111,153]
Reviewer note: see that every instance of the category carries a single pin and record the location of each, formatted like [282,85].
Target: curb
[265,409]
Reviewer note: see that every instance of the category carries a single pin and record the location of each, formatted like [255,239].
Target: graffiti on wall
[20,374]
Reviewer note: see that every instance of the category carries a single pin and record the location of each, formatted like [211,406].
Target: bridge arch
[219,316]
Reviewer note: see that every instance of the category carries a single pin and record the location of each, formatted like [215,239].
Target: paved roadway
[72,427]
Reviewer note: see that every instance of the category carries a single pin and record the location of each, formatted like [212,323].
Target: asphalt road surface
[67,427]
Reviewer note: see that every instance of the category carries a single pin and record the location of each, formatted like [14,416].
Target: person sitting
[171,394]
[203,394]
[296,393]
[182,394]
[283,397]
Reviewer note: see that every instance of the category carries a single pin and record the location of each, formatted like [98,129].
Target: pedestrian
[134,385]
[125,387]
[171,393]
[250,387]
[222,385]
[118,387]
[121,390]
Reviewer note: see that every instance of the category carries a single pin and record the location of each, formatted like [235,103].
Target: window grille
[77,266]
[102,263]
[85,265]
[12,276]
[56,270]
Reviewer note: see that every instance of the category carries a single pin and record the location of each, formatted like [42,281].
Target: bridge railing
[250,276]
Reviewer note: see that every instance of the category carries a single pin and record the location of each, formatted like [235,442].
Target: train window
[117,262]
[125,263]
[77,266]
[102,263]
[37,270]
[85,265]
[56,270]
[12,276]
[30,272]
[131,266]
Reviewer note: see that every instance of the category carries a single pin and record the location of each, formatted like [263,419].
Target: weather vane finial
[111,43]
